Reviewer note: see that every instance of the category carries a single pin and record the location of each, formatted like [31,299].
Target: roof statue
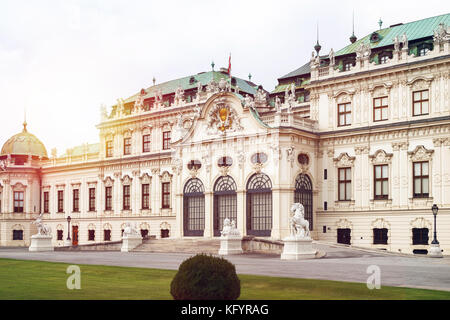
[199,90]
[277,104]
[441,34]
[248,102]
[139,103]
[223,84]
[331,56]
[120,108]
[396,43]
[404,42]
[179,96]
[103,113]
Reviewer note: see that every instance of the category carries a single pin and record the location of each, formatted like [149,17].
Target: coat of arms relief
[222,118]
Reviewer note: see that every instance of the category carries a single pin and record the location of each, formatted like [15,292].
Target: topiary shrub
[204,277]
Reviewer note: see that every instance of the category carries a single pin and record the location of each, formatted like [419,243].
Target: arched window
[225,202]
[194,208]
[303,194]
[259,205]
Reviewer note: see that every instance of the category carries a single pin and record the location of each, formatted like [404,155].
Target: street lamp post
[435,249]
[68,240]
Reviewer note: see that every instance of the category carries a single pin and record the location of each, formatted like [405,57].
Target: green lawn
[21,279]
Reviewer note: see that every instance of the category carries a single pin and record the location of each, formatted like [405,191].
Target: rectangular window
[145,196]
[91,199]
[109,149]
[108,198]
[345,184]
[91,235]
[146,143]
[126,197]
[380,109]
[347,66]
[59,235]
[60,200]
[127,146]
[46,201]
[381,181]
[420,236]
[166,194]
[420,179]
[325,205]
[380,236]
[107,235]
[420,103]
[17,234]
[18,201]
[76,200]
[344,114]
[166,140]
[325,174]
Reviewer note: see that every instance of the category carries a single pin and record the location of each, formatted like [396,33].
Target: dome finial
[24,119]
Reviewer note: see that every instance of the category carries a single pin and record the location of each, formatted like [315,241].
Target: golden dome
[24,143]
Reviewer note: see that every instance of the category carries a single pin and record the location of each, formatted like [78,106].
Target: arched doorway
[193,208]
[304,194]
[225,202]
[259,205]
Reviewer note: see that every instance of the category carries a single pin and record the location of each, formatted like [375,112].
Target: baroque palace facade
[360,136]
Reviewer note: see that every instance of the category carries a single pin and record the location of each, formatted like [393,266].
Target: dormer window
[384,59]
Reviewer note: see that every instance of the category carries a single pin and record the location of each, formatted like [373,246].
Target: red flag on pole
[229,65]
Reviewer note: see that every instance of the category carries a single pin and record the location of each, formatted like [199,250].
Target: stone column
[100,196]
[437,173]
[117,194]
[396,179]
[156,192]
[241,211]
[135,192]
[209,215]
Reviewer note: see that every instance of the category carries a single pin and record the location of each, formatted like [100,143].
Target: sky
[61,60]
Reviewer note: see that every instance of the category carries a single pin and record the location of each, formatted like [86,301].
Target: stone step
[180,245]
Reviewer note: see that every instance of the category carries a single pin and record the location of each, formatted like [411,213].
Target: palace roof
[414,30]
[191,82]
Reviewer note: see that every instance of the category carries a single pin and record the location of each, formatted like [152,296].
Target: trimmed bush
[204,277]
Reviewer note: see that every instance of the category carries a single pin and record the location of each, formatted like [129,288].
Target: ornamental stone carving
[108,182]
[222,118]
[380,223]
[166,177]
[344,224]
[381,157]
[420,223]
[420,153]
[126,180]
[344,160]
[146,178]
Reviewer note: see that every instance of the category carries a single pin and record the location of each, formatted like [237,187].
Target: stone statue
[178,131]
[3,165]
[120,108]
[103,113]
[441,34]
[179,96]
[197,111]
[331,56]
[158,96]
[130,231]
[139,103]
[199,90]
[236,89]
[299,226]
[396,44]
[43,229]
[222,84]
[277,104]
[229,228]
[404,42]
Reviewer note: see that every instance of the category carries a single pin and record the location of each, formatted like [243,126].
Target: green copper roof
[414,30]
[24,143]
[185,83]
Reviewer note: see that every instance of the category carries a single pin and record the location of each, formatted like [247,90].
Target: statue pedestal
[230,245]
[435,251]
[130,242]
[297,248]
[41,243]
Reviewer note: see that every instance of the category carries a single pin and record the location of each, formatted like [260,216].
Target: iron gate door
[225,202]
[304,194]
[259,205]
[193,208]
[344,236]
